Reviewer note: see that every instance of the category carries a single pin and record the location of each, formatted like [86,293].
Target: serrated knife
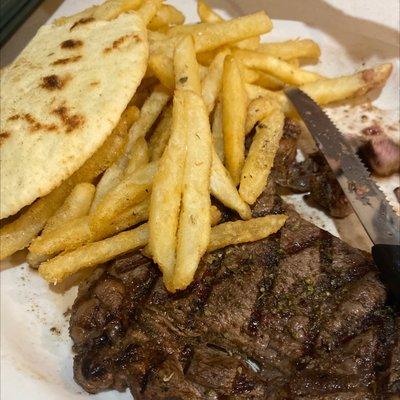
[378,218]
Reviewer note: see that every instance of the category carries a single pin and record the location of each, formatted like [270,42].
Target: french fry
[301,48]
[143,92]
[149,113]
[258,109]
[149,9]
[255,91]
[206,14]
[268,81]
[166,15]
[294,62]
[130,191]
[76,205]
[90,255]
[187,75]
[167,190]
[260,158]
[248,75]
[139,156]
[216,215]
[209,36]
[278,68]
[81,231]
[223,189]
[19,233]
[234,109]
[217,131]
[194,219]
[162,132]
[211,84]
[163,68]
[238,232]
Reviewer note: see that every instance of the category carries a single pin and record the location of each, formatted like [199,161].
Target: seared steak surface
[298,315]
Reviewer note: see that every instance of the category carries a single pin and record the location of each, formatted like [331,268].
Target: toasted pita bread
[60,100]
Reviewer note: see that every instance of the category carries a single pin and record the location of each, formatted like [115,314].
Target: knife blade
[369,203]
[373,210]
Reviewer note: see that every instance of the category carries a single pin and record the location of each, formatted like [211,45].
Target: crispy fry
[258,109]
[276,67]
[81,231]
[248,75]
[223,189]
[217,131]
[130,191]
[90,255]
[254,91]
[139,156]
[301,48]
[149,9]
[163,68]
[238,232]
[187,75]
[212,82]
[166,15]
[195,219]
[261,156]
[209,36]
[19,233]
[216,215]
[159,138]
[167,191]
[294,62]
[76,205]
[234,109]
[149,113]
[268,81]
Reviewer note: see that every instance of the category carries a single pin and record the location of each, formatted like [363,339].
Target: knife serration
[369,203]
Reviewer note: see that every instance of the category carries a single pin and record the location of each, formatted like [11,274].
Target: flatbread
[60,100]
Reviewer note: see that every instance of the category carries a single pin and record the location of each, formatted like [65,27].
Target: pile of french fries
[180,141]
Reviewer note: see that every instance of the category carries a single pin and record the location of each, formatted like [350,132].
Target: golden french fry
[234,110]
[143,92]
[207,57]
[255,91]
[130,191]
[248,75]
[301,48]
[276,67]
[90,255]
[206,14]
[149,113]
[294,62]
[76,205]
[217,131]
[159,138]
[187,75]
[209,36]
[211,84]
[139,156]
[238,232]
[81,231]
[260,158]
[258,109]
[223,189]
[163,68]
[166,15]
[167,190]
[216,215]
[194,219]
[268,81]
[19,233]
[148,10]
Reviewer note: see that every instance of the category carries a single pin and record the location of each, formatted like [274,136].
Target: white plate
[36,360]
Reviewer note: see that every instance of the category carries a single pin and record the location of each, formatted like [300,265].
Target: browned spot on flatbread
[3,136]
[71,44]
[117,43]
[54,82]
[70,121]
[94,83]
[82,21]
[67,60]
[34,124]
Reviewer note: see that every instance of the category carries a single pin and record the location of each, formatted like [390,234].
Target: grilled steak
[299,315]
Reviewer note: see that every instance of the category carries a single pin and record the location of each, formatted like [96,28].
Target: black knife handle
[387,258]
